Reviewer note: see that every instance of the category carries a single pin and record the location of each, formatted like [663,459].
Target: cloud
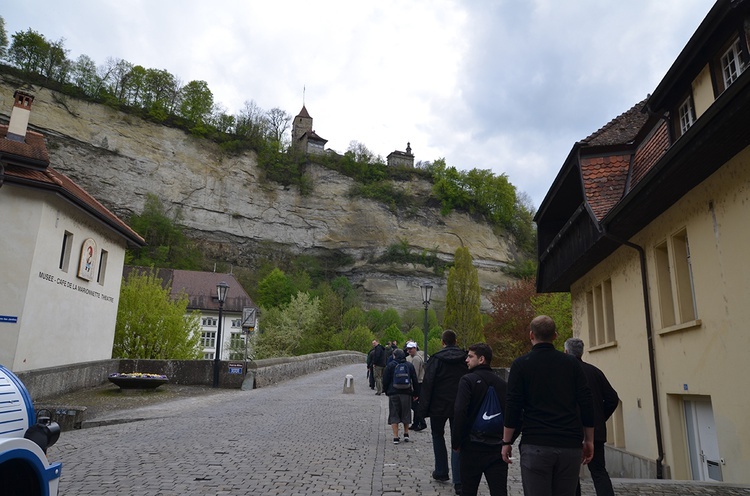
[506,85]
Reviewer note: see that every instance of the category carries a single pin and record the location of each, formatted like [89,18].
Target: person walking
[370,373]
[443,370]
[605,403]
[378,364]
[415,358]
[550,401]
[479,454]
[400,383]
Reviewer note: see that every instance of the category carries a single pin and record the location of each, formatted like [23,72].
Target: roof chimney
[19,116]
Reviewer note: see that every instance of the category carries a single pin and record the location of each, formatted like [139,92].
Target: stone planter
[138,381]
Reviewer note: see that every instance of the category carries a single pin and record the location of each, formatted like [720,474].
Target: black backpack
[488,424]
[401,379]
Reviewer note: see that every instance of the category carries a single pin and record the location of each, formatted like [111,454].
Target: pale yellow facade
[701,337]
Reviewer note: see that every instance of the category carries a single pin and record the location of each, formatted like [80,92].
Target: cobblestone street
[300,437]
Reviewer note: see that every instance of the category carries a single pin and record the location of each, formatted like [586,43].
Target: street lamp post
[221,292]
[426,293]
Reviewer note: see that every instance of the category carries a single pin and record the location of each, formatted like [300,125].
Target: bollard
[349,384]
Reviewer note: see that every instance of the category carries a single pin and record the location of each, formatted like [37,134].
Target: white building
[61,257]
[200,288]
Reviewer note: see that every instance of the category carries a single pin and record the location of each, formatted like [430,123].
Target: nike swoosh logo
[489,417]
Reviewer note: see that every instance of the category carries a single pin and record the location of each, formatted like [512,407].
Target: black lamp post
[221,292]
[426,293]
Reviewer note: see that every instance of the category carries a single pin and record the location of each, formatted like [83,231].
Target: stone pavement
[300,437]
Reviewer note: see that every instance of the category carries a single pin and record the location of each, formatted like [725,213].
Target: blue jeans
[437,427]
[549,471]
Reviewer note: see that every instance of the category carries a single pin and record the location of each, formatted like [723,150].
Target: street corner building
[62,256]
[646,226]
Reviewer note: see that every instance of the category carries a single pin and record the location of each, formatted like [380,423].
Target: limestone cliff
[119,158]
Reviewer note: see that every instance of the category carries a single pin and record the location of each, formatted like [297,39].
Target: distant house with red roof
[646,225]
[201,290]
[62,257]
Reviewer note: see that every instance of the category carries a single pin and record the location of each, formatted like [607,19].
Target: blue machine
[24,468]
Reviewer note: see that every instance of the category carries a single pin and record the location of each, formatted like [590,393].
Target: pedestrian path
[300,437]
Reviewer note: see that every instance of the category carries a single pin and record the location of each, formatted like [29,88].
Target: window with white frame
[731,64]
[674,279]
[209,355]
[236,322]
[687,115]
[209,321]
[208,339]
[103,256]
[600,314]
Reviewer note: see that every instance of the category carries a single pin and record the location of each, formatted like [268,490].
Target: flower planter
[138,380]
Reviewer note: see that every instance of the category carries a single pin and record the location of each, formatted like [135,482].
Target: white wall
[62,319]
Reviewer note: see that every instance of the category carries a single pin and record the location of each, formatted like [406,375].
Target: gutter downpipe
[651,357]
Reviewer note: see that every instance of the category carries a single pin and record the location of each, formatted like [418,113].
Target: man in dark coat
[442,372]
[549,390]
[477,456]
[605,404]
[378,364]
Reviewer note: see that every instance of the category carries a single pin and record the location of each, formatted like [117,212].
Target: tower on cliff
[304,139]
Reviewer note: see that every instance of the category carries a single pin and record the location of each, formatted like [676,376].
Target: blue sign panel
[12,319]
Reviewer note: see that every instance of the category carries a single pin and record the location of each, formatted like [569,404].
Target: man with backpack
[477,432]
[400,384]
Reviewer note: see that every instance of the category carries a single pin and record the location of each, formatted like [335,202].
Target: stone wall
[53,381]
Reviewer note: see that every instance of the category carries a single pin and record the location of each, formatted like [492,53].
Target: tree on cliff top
[463,299]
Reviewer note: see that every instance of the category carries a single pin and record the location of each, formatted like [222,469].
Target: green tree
[3,39]
[167,245]
[558,306]
[84,75]
[275,290]
[356,339]
[150,325]
[284,327]
[196,102]
[28,51]
[463,300]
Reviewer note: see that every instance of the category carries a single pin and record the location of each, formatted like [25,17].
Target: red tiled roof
[32,149]
[622,129]
[652,149]
[200,287]
[604,180]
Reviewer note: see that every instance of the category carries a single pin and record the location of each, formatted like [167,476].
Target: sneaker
[406,438]
[396,440]
[441,478]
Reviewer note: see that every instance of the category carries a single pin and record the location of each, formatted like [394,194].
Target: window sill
[604,346]
[690,324]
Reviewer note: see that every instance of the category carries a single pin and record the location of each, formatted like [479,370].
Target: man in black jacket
[478,457]
[378,364]
[549,391]
[605,404]
[442,372]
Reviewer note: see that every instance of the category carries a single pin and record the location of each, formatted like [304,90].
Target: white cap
[411,344]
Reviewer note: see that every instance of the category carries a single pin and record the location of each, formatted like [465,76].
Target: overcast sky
[506,85]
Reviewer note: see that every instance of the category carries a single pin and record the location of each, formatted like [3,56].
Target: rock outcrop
[239,217]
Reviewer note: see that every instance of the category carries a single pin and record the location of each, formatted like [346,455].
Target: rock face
[238,217]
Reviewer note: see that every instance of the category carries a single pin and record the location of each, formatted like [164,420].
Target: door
[703,443]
